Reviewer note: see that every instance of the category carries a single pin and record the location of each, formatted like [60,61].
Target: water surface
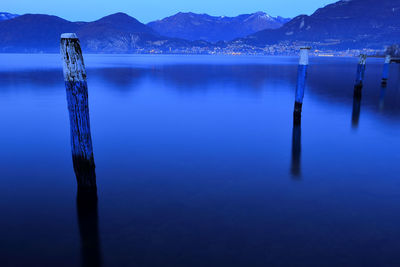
[198,164]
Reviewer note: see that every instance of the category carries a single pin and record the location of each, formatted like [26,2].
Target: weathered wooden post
[82,150]
[301,83]
[360,72]
[358,90]
[386,67]
[296,151]
[78,107]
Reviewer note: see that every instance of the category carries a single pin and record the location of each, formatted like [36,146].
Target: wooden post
[78,107]
[386,67]
[360,72]
[301,83]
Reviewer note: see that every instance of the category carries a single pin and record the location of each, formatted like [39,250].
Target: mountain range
[191,26]
[117,33]
[346,24]
[120,33]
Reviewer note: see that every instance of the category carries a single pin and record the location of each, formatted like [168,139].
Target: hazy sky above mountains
[149,10]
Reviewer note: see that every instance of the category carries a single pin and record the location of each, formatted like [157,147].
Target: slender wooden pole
[301,83]
[386,67]
[78,107]
[360,72]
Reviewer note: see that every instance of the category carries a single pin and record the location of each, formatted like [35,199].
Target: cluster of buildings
[279,49]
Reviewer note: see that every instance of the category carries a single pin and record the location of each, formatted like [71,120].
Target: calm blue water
[198,164]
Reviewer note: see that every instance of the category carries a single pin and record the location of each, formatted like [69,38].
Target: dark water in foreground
[198,164]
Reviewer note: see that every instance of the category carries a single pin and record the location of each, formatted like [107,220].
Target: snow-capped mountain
[6,16]
[346,24]
[192,26]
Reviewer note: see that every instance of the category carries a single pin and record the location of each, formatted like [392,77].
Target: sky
[149,10]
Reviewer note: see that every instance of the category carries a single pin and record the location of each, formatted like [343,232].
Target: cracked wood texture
[78,107]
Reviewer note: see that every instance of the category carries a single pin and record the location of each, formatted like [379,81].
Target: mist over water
[198,164]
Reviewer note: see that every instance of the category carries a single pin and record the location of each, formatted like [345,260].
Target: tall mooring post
[360,72]
[386,67]
[358,90]
[78,107]
[82,149]
[301,84]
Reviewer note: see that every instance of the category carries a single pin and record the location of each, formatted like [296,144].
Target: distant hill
[6,16]
[117,33]
[344,24]
[33,33]
[193,26]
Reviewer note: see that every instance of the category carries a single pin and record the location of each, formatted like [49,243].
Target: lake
[198,163]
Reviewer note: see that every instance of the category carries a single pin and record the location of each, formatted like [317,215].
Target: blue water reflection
[198,163]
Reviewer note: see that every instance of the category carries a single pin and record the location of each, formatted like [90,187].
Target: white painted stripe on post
[304,55]
[69,36]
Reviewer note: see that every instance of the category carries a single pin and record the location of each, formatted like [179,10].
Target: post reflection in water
[355,118]
[382,98]
[296,150]
[82,149]
[86,203]
[398,76]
